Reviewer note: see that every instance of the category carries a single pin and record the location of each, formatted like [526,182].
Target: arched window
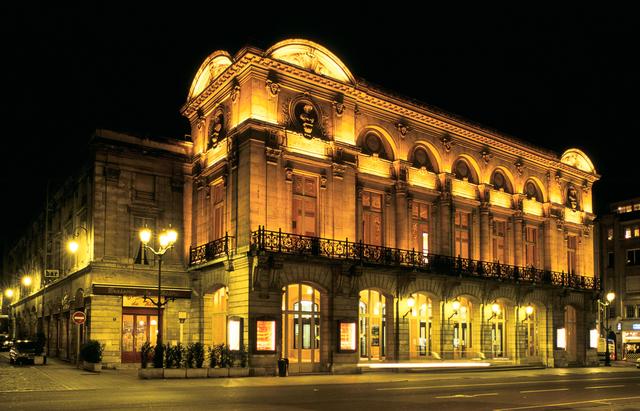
[500,182]
[372,144]
[532,191]
[421,159]
[463,171]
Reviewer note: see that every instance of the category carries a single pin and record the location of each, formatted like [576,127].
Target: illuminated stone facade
[359,226]
[330,223]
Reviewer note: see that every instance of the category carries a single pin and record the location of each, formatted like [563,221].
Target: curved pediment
[577,158]
[312,57]
[213,66]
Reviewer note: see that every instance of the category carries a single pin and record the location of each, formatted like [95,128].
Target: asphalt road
[62,387]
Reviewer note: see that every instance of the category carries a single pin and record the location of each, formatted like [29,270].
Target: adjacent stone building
[338,225]
[619,246]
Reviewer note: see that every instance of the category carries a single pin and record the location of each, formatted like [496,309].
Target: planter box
[239,372]
[92,366]
[218,372]
[196,373]
[175,373]
[151,373]
[39,360]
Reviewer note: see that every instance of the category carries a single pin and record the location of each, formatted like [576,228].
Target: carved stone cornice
[410,110]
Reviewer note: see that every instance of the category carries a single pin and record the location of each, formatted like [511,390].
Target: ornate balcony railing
[277,241]
[211,250]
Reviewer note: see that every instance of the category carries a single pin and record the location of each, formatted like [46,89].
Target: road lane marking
[467,395]
[432,387]
[597,387]
[564,404]
[549,390]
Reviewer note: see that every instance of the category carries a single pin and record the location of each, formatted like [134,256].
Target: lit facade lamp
[166,239]
[411,301]
[27,281]
[456,307]
[495,310]
[72,244]
[8,293]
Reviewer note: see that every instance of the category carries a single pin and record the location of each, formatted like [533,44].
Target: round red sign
[79,317]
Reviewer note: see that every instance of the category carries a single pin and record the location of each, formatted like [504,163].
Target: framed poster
[266,335]
[347,336]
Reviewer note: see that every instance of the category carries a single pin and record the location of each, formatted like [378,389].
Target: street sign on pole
[79,317]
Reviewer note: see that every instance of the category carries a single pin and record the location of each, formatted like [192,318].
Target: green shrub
[158,356]
[195,355]
[145,353]
[91,351]
[219,356]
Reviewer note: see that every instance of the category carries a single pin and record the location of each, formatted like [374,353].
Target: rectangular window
[305,200]
[202,212]
[572,242]
[217,196]
[462,234]
[610,259]
[531,247]
[420,227]
[627,232]
[630,311]
[144,187]
[633,257]
[610,234]
[372,218]
[499,252]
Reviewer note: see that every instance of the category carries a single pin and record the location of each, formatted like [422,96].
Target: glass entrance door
[301,323]
[137,328]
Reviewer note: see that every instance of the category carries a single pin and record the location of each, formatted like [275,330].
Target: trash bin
[283,367]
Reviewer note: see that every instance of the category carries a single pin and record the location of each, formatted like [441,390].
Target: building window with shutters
[462,234]
[372,218]
[531,247]
[572,242]
[420,227]
[499,251]
[305,205]
[217,198]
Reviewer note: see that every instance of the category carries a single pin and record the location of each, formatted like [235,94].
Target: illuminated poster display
[561,340]
[593,338]
[265,335]
[347,336]
[234,335]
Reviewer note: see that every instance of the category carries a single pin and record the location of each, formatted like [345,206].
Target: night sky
[558,79]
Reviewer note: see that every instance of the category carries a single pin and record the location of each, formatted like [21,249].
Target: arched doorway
[498,330]
[530,327]
[461,326]
[219,301]
[301,327]
[420,318]
[570,320]
[372,325]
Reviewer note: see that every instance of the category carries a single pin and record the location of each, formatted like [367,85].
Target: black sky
[556,78]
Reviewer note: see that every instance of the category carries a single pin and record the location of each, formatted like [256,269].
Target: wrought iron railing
[211,250]
[278,241]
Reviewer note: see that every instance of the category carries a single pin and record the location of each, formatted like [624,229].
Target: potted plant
[218,361]
[91,355]
[240,362]
[194,361]
[157,371]
[175,358]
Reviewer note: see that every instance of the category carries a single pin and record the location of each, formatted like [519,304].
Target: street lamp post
[607,355]
[167,239]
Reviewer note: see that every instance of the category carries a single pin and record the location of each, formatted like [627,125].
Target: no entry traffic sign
[79,317]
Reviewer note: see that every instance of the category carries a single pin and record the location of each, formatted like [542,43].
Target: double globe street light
[167,239]
[609,299]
